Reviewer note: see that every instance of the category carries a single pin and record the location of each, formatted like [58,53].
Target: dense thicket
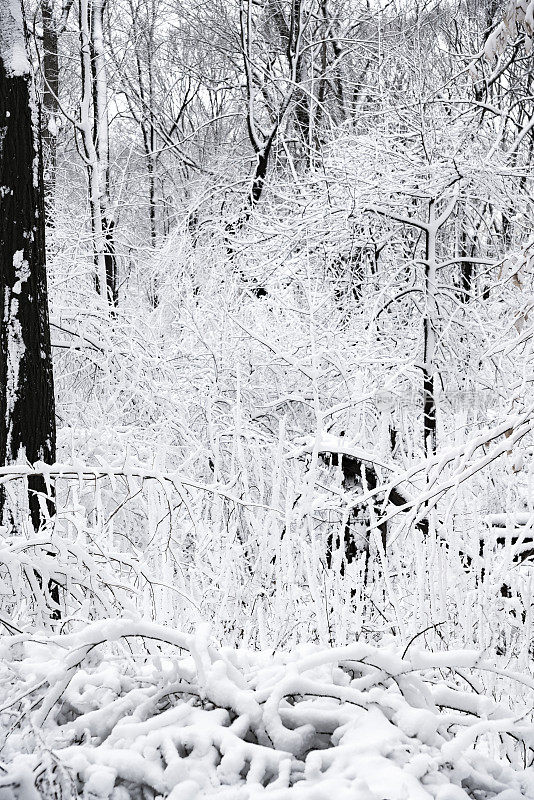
[311,374]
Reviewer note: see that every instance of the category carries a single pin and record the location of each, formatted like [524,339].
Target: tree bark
[27,414]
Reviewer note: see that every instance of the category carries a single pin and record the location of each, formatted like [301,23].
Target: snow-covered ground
[130,709]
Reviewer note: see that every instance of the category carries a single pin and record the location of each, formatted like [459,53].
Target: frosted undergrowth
[125,709]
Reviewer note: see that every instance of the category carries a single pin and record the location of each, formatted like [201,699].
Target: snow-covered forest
[266,399]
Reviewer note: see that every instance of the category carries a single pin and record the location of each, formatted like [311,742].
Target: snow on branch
[446,470]
[518,14]
[84,472]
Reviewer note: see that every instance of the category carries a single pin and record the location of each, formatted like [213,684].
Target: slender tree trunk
[86,126]
[466,269]
[153,292]
[101,144]
[149,141]
[150,156]
[429,336]
[27,419]
[303,114]
[147,126]
[93,127]
[430,321]
[51,93]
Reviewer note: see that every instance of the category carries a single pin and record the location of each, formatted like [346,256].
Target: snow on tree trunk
[101,140]
[429,335]
[50,94]
[27,419]
[86,128]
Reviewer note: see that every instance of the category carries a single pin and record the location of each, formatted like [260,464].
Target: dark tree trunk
[149,143]
[429,413]
[110,258]
[27,419]
[466,269]
[466,250]
[429,347]
[302,112]
[256,189]
[152,201]
[258,181]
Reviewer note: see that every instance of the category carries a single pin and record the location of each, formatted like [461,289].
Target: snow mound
[124,709]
